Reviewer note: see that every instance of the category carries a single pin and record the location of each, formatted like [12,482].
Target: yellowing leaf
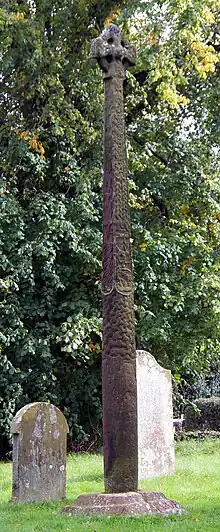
[208,16]
[19,16]
[23,134]
[185,210]
[112,17]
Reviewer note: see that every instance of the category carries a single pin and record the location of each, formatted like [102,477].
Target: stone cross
[114,56]
[39,433]
[119,382]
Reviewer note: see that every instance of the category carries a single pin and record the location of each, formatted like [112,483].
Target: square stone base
[128,504]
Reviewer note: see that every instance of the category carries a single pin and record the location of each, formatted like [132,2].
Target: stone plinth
[155,418]
[39,454]
[126,504]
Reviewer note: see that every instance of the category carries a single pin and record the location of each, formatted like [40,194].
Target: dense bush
[51,121]
[206,415]
[206,385]
[196,435]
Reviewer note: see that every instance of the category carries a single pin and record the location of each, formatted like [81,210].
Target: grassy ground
[196,486]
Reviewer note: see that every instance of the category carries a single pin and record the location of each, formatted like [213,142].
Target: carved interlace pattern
[119,353]
[117,262]
[119,393]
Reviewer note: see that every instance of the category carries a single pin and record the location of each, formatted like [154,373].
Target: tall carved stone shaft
[119,352]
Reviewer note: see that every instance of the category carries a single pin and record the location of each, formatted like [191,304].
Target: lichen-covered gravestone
[155,418]
[39,453]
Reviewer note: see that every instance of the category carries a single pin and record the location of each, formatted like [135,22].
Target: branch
[160,203]
[159,156]
[141,76]
[215,46]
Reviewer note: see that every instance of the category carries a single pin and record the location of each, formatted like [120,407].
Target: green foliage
[10,395]
[50,228]
[206,385]
[173,126]
[207,415]
[51,208]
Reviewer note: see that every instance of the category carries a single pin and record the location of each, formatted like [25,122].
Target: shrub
[206,415]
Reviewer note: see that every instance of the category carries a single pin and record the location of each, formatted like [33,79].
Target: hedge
[206,415]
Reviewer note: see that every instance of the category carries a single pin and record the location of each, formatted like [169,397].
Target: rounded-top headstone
[155,418]
[39,453]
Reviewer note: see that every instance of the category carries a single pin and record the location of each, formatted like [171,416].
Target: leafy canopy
[51,107]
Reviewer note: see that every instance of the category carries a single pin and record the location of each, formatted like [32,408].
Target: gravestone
[155,418]
[39,454]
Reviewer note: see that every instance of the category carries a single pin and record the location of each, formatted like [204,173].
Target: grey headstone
[155,418]
[39,453]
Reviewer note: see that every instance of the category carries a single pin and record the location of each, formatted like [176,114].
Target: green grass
[196,486]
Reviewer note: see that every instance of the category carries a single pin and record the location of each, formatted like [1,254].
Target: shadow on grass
[90,477]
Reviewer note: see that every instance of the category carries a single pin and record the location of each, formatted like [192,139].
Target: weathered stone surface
[114,56]
[111,50]
[155,418]
[159,504]
[39,453]
[127,504]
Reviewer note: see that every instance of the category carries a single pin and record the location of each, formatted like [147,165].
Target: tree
[173,123]
[51,208]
